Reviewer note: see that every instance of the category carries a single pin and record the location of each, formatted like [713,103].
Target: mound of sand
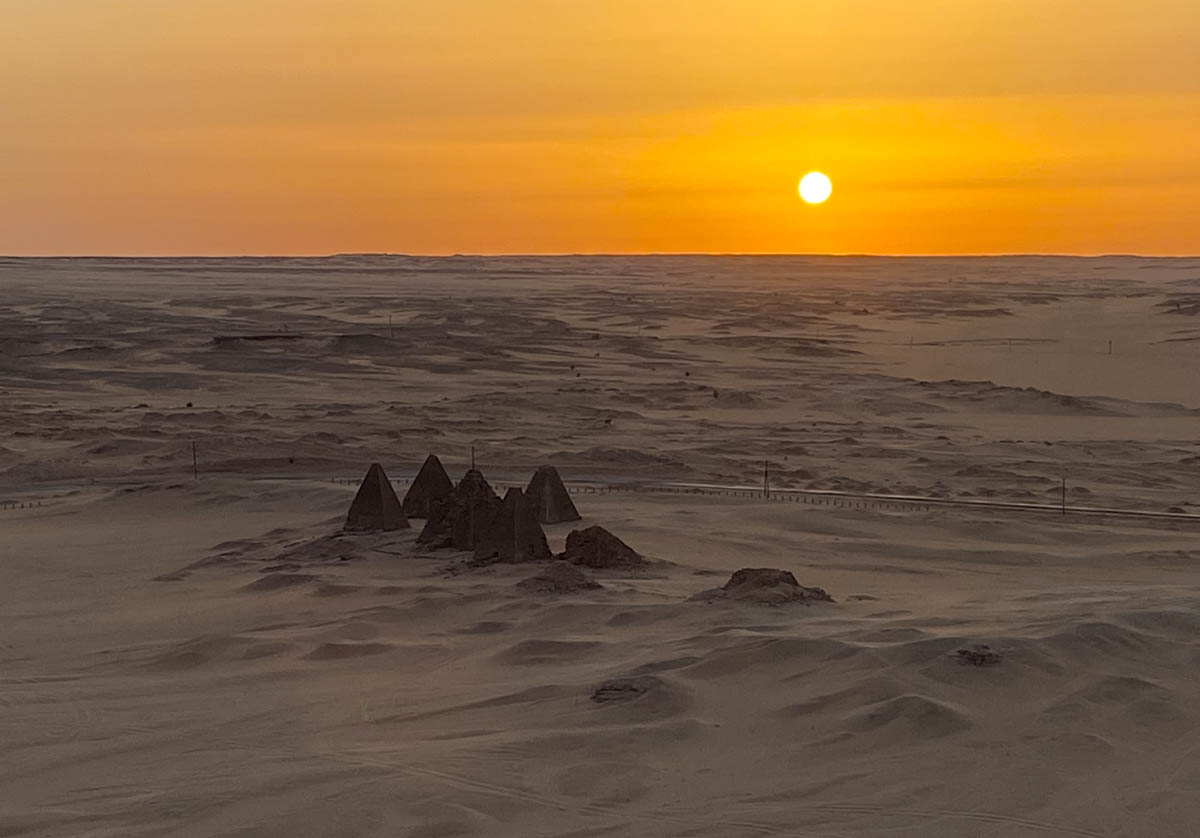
[766,586]
[737,399]
[459,519]
[559,578]
[278,582]
[906,719]
[514,534]
[597,547]
[978,654]
[549,497]
[625,689]
[431,485]
[376,506]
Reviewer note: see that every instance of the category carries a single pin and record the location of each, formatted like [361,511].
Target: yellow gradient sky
[523,126]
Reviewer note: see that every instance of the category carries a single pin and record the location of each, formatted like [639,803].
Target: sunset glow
[309,126]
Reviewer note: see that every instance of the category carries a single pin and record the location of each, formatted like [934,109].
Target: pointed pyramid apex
[474,483]
[549,497]
[430,486]
[376,506]
[514,534]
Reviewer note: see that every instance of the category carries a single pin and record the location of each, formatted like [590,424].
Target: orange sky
[486,126]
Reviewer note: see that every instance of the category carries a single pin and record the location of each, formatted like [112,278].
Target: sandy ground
[208,658]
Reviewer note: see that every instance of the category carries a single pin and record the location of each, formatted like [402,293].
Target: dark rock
[759,577]
[598,548]
[625,689]
[979,654]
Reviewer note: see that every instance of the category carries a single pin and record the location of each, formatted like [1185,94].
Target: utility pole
[472,458]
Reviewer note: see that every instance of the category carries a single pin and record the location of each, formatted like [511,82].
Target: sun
[815,188]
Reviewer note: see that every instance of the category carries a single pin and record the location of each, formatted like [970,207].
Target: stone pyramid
[514,534]
[549,498]
[376,506]
[431,484]
[458,519]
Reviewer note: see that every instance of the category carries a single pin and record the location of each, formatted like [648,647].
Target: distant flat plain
[148,686]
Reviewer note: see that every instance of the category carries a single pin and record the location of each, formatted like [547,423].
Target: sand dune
[216,657]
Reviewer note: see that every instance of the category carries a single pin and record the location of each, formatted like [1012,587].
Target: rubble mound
[766,586]
[596,547]
[978,654]
[559,578]
[625,689]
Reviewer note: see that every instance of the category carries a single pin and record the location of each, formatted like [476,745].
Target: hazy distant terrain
[385,690]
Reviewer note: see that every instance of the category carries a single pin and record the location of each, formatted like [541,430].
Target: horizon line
[601,254]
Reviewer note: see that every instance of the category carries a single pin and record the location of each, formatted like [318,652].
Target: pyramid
[376,506]
[431,484]
[458,519]
[514,534]
[549,497]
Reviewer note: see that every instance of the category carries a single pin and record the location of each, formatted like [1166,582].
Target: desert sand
[213,656]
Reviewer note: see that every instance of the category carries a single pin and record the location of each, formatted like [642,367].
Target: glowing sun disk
[815,188]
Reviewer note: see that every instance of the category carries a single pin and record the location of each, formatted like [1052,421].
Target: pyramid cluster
[471,517]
